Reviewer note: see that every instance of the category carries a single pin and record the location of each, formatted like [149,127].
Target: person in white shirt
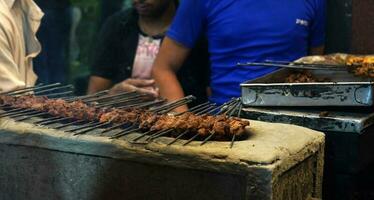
[19,22]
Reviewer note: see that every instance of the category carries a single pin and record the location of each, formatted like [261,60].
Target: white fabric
[19,21]
[146,53]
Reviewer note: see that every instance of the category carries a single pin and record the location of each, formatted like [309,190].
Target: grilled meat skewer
[222,126]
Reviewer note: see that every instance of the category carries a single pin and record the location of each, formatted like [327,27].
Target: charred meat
[221,126]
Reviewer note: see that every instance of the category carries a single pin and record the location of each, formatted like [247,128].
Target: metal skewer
[232,141]
[114,127]
[298,66]
[92,128]
[142,135]
[53,89]
[84,126]
[26,113]
[69,124]
[208,138]
[118,135]
[159,134]
[31,116]
[178,137]
[20,113]
[29,89]
[191,139]
[51,121]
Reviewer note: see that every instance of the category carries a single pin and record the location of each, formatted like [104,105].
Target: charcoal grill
[104,99]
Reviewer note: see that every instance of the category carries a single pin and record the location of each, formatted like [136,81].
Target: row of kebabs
[221,126]
[360,65]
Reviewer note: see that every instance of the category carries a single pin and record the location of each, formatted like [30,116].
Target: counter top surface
[270,145]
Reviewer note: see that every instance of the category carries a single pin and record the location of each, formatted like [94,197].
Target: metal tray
[345,89]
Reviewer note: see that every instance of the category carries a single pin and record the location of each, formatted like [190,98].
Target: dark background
[349,28]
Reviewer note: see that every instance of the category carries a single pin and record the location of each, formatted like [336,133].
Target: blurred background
[69,30]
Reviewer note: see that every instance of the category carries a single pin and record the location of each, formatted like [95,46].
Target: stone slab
[262,165]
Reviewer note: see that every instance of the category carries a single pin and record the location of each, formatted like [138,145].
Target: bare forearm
[167,63]
[168,84]
[97,84]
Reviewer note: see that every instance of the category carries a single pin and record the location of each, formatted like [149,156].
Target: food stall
[53,148]
[334,96]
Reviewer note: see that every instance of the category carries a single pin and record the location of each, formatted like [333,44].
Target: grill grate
[121,101]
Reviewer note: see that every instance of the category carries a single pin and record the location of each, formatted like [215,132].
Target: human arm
[144,86]
[188,26]
[97,84]
[9,78]
[170,58]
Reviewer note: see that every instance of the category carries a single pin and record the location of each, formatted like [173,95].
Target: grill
[126,100]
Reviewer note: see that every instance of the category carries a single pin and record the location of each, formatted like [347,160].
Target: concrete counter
[277,161]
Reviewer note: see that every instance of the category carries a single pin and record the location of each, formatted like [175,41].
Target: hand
[144,86]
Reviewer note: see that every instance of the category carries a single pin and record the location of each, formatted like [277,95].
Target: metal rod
[17,90]
[31,116]
[13,110]
[142,105]
[90,124]
[52,118]
[205,110]
[229,105]
[85,97]
[114,127]
[59,94]
[110,96]
[120,101]
[207,139]
[21,114]
[141,136]
[191,139]
[53,89]
[28,89]
[200,107]
[220,107]
[234,108]
[301,63]
[92,128]
[126,129]
[150,104]
[193,109]
[240,110]
[187,98]
[68,124]
[224,107]
[232,141]
[163,107]
[125,133]
[309,66]
[4,105]
[172,108]
[47,122]
[123,100]
[17,113]
[159,134]
[178,137]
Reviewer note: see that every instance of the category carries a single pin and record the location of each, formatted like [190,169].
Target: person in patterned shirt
[128,45]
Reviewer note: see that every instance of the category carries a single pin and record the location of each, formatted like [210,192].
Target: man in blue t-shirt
[239,31]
